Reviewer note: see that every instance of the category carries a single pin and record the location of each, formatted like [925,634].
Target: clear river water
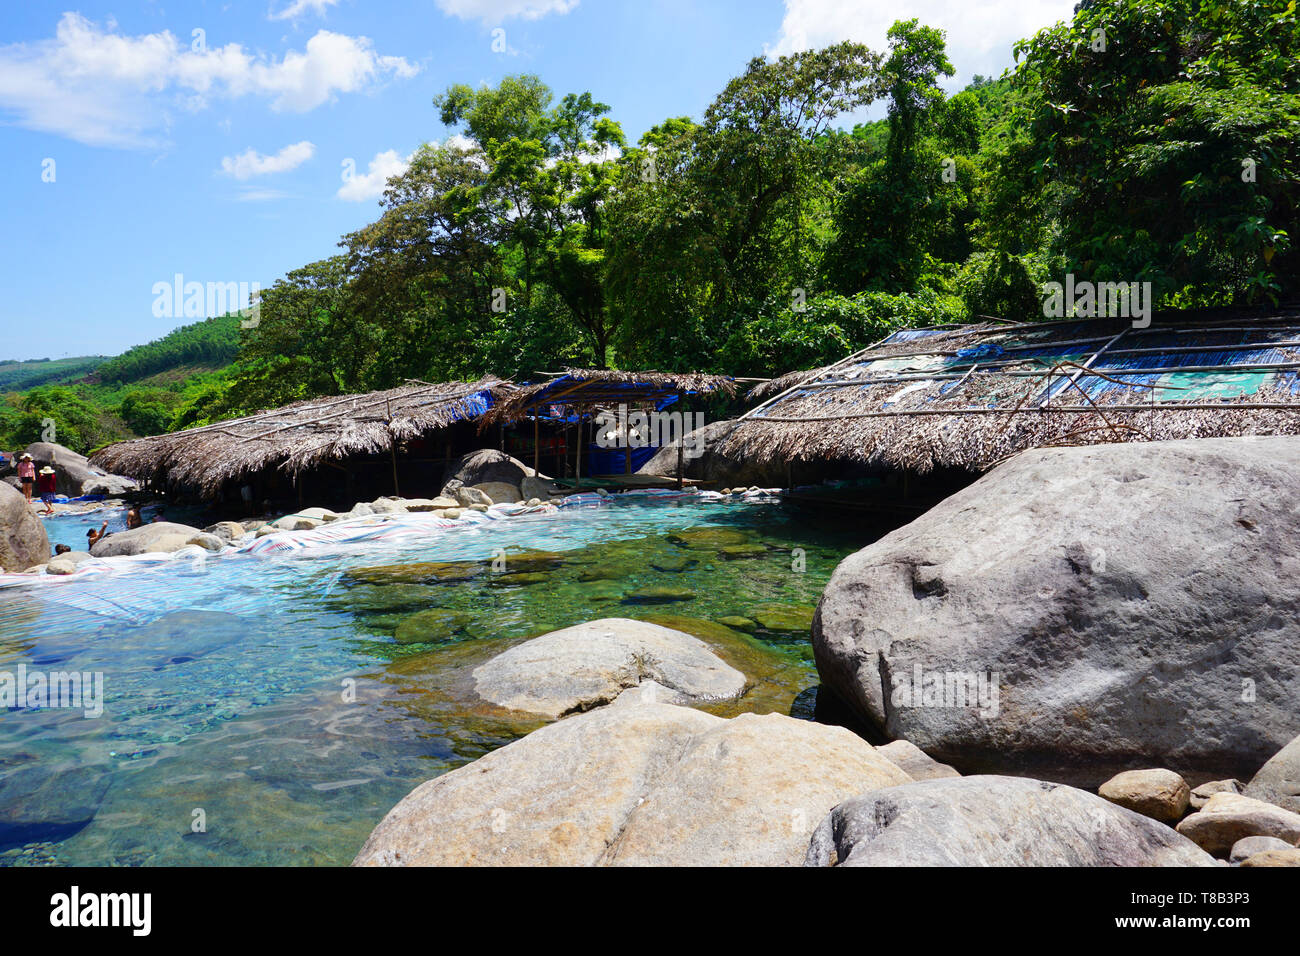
[270,709]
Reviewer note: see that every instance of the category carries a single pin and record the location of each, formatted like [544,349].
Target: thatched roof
[775,386]
[299,436]
[969,396]
[578,391]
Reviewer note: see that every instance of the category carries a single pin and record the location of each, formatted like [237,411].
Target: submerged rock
[421,572]
[582,667]
[40,801]
[646,784]
[658,595]
[435,626]
[387,597]
[1119,597]
[518,578]
[784,618]
[738,623]
[709,538]
[994,821]
[735,552]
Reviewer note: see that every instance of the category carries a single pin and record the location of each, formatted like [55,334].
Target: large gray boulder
[584,666]
[23,542]
[1278,781]
[74,474]
[161,536]
[1116,606]
[994,821]
[487,465]
[112,486]
[649,784]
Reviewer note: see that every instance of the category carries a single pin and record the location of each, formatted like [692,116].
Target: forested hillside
[84,403]
[212,343]
[1145,141]
[16,375]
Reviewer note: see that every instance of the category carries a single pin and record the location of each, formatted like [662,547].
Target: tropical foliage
[1143,140]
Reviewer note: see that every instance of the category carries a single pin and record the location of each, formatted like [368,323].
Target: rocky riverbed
[1079,660]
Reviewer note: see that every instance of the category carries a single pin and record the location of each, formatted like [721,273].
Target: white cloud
[300,7]
[980,36]
[370,185]
[251,163]
[492,12]
[106,89]
[361,187]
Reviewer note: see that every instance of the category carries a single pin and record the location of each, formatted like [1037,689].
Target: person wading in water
[46,486]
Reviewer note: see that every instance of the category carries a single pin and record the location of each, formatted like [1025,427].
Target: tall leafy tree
[1158,144]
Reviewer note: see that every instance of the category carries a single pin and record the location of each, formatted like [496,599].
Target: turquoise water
[285,703]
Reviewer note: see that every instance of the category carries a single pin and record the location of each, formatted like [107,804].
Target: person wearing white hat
[27,474]
[46,486]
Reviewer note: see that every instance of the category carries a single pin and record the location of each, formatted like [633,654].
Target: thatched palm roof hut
[576,394]
[300,436]
[968,396]
[579,391]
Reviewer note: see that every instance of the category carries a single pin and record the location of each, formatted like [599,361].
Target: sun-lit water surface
[260,709]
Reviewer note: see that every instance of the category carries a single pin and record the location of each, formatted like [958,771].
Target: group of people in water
[133,520]
[43,484]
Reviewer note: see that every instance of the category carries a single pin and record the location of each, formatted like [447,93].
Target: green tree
[1158,144]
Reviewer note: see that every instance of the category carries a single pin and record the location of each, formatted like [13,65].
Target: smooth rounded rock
[1278,781]
[590,664]
[1118,597]
[23,541]
[1229,817]
[914,761]
[1247,847]
[160,536]
[994,821]
[645,784]
[1200,796]
[1158,794]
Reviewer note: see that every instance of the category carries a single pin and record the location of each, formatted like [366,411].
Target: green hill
[18,376]
[207,345]
[94,400]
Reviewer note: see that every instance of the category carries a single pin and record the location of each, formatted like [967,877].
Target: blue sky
[133,148]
